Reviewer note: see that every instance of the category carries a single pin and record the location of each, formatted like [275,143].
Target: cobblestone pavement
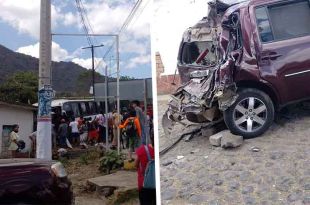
[278,174]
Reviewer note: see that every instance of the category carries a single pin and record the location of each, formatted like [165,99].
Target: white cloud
[129,44]
[169,22]
[58,53]
[24,15]
[69,19]
[87,63]
[139,60]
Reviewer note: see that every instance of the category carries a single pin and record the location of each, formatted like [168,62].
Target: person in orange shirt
[133,131]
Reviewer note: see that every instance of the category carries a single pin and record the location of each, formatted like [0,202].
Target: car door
[283,30]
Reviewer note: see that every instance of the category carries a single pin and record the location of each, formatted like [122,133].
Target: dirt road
[279,173]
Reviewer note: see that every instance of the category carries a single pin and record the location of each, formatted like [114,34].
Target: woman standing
[13,147]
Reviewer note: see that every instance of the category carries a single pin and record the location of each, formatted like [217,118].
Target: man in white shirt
[75,136]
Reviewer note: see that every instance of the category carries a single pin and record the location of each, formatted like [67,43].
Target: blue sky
[19,26]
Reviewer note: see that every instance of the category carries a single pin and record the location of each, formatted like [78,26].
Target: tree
[20,87]
[126,77]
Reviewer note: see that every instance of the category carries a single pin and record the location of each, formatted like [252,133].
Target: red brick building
[164,82]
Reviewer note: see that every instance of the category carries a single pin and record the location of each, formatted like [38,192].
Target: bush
[88,157]
[112,160]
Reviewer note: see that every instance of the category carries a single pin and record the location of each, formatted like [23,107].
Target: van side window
[75,109]
[83,108]
[290,20]
[263,24]
[92,107]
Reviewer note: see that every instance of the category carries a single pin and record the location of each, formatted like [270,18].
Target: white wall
[20,116]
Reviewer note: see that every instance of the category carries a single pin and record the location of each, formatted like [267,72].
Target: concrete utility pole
[117,93]
[93,64]
[44,125]
[106,109]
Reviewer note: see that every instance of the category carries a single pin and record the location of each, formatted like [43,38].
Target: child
[133,131]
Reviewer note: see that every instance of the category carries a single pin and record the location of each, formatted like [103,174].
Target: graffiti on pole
[46,95]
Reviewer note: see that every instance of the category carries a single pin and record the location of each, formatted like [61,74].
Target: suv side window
[263,24]
[284,21]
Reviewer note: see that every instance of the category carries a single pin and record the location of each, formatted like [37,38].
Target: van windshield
[193,51]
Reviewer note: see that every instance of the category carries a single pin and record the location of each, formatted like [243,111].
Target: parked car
[246,59]
[34,181]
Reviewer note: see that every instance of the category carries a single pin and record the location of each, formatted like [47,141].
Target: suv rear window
[191,51]
[283,21]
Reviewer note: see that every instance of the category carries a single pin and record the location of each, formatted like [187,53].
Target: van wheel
[251,115]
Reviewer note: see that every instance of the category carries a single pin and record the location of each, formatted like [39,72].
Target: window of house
[283,21]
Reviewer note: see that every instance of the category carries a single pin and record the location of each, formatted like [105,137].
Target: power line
[125,24]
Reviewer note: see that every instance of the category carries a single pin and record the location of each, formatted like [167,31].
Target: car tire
[251,115]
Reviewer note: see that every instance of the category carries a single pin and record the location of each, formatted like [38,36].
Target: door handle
[271,56]
[274,56]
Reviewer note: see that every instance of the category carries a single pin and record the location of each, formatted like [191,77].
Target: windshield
[198,52]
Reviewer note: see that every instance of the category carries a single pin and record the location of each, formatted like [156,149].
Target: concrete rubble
[225,139]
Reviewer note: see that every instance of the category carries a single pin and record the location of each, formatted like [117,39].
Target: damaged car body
[243,61]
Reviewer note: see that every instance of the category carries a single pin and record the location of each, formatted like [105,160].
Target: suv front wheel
[251,115]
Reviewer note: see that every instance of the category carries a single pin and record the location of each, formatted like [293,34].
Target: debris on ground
[62,152]
[226,139]
[180,157]
[231,141]
[254,149]
[195,151]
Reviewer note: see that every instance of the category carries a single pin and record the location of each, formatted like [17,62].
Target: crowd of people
[136,135]
[135,129]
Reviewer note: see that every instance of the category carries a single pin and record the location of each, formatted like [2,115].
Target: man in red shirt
[146,196]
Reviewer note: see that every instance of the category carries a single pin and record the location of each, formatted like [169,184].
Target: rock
[218,182]
[207,132]
[166,163]
[307,186]
[306,200]
[247,189]
[215,140]
[230,140]
[168,194]
[195,151]
[249,200]
[294,196]
[234,185]
[198,199]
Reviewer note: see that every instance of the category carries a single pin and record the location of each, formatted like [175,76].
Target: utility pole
[45,92]
[93,64]
[117,92]
[106,108]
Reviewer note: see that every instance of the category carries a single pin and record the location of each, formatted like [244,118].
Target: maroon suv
[33,181]
[244,61]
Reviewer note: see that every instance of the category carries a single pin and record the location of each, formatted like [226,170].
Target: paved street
[279,173]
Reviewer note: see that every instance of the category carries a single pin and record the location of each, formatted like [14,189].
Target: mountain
[67,77]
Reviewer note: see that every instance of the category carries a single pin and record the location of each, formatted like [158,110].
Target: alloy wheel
[250,114]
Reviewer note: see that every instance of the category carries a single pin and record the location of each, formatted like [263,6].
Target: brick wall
[164,82]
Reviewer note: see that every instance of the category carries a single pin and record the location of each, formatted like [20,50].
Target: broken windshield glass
[198,53]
